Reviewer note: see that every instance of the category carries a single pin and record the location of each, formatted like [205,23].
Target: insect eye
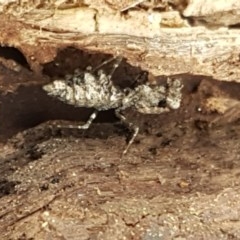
[162,103]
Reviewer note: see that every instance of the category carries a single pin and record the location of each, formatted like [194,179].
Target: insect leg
[86,125]
[118,60]
[152,110]
[116,65]
[105,80]
[129,125]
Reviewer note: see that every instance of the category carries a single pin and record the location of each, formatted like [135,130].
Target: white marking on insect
[84,89]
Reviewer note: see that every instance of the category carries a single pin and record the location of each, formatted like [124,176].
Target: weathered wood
[141,37]
[214,13]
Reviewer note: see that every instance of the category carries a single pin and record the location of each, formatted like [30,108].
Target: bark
[180,39]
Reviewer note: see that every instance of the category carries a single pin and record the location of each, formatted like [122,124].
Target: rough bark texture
[180,179]
[164,43]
